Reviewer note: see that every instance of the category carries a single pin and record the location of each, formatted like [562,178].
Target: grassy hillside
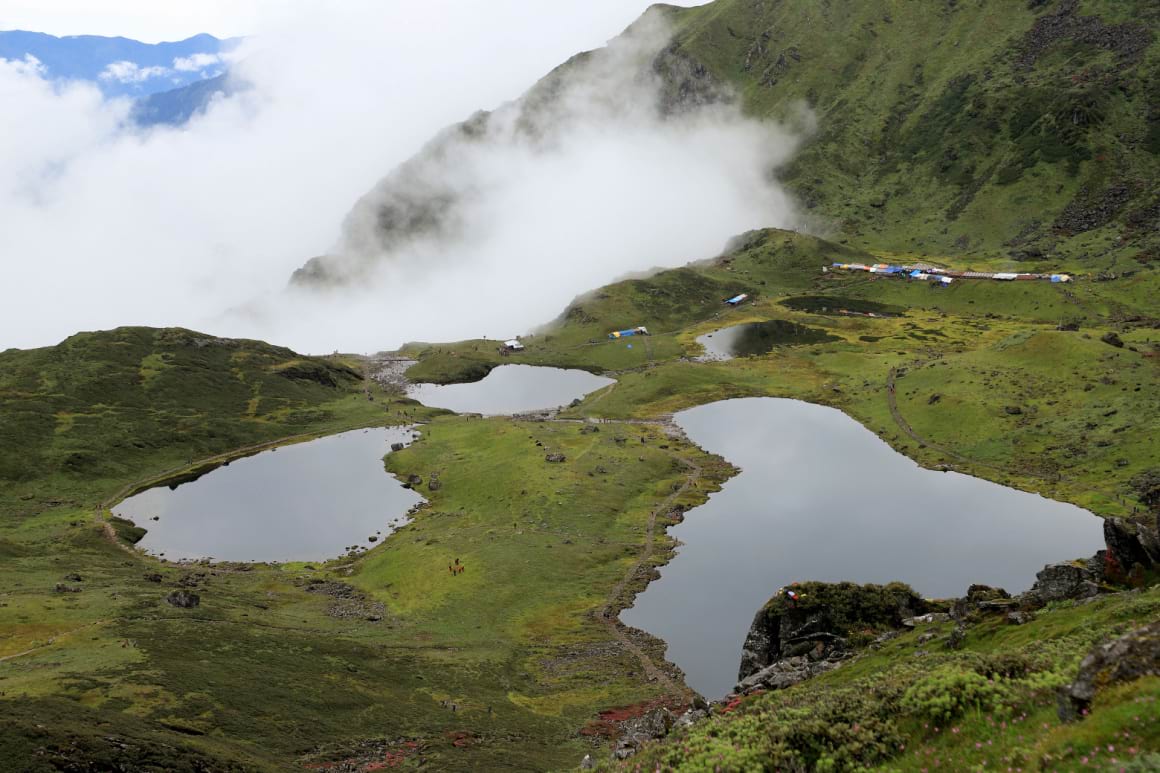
[97,403]
[1022,129]
[285,666]
[962,355]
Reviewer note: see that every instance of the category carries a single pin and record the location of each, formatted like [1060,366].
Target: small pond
[511,389]
[820,497]
[301,502]
[757,338]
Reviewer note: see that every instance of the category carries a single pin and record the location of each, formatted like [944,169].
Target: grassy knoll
[281,665]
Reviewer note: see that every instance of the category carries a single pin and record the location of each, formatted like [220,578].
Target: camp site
[946,276]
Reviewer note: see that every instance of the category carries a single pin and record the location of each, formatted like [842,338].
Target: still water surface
[302,502]
[757,338]
[511,389]
[822,498]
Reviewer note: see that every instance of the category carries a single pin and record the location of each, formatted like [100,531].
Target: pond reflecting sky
[511,389]
[822,498]
[301,502]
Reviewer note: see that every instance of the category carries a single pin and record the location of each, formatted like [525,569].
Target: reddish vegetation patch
[732,704]
[461,738]
[608,724]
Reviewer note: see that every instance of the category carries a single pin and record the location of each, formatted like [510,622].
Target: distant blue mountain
[120,66]
[177,106]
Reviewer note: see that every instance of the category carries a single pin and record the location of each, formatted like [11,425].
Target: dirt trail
[611,609]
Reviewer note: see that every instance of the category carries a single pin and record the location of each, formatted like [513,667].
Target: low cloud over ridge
[202,226]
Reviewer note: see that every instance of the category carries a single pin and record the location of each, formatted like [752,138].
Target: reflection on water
[511,389]
[758,338]
[302,502]
[822,498]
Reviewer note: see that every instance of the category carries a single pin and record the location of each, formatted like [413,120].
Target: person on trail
[457,562]
[450,569]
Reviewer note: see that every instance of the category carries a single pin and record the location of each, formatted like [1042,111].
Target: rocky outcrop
[183,599]
[790,671]
[802,631]
[1131,549]
[1127,546]
[1130,657]
[640,730]
[1066,580]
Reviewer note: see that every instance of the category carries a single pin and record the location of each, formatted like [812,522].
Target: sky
[150,21]
[201,227]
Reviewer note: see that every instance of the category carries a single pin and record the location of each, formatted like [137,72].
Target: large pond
[822,498]
[309,501]
[511,389]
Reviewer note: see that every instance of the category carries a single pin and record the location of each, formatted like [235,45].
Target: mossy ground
[260,675]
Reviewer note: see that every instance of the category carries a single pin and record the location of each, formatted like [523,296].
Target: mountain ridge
[990,129]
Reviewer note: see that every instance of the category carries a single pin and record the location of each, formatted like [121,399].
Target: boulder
[397,446]
[1065,580]
[73,577]
[414,480]
[639,730]
[183,599]
[1112,340]
[1134,655]
[691,717]
[555,458]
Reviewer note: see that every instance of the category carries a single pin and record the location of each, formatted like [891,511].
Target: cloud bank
[202,226]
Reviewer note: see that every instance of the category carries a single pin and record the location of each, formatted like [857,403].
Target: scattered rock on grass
[1130,657]
[183,599]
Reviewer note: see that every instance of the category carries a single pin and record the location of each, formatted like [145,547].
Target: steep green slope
[1023,131]
[1027,129]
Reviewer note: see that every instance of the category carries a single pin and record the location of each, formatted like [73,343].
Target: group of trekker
[456,568]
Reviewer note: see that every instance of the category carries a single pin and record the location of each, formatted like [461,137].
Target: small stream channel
[309,501]
[822,498]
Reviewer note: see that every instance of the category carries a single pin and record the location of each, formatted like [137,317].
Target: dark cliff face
[823,617]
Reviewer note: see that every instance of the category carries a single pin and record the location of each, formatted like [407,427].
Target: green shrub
[949,692]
